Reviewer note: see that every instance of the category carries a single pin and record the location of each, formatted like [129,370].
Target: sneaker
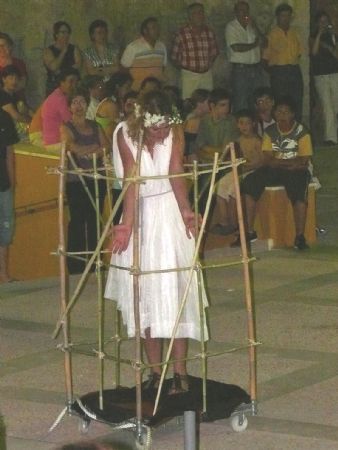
[251,236]
[300,243]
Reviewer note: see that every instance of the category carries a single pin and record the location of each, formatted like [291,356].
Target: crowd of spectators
[266,82]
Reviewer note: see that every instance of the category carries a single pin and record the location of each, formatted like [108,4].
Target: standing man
[146,56]
[243,40]
[194,52]
[282,56]
[8,137]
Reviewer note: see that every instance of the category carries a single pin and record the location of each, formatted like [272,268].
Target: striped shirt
[195,51]
[143,60]
[110,57]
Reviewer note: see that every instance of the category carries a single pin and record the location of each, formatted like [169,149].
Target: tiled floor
[296,313]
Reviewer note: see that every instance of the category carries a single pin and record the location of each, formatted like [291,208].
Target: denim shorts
[6,217]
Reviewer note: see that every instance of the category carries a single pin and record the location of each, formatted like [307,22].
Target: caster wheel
[144,443]
[239,423]
[84,426]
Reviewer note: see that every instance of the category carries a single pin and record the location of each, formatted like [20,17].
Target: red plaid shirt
[195,51]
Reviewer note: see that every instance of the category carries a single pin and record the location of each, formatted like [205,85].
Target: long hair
[154,102]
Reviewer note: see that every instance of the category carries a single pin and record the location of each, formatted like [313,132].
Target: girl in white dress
[167,225]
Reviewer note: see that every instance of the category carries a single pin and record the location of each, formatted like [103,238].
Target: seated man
[287,150]
[217,129]
[55,110]
[264,102]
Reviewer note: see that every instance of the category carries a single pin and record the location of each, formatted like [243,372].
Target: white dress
[163,245]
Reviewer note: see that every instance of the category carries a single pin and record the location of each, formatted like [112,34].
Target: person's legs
[334,99]
[76,241]
[326,97]
[296,186]
[249,212]
[4,275]
[190,81]
[179,352]
[240,87]
[153,349]
[299,212]
[6,231]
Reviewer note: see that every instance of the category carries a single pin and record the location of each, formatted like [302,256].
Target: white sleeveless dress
[163,245]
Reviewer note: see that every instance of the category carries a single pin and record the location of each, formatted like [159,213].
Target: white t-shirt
[236,34]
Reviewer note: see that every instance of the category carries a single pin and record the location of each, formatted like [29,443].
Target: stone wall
[30,24]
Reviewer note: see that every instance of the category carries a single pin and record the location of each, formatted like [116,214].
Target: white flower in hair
[137,110]
[153,119]
[175,118]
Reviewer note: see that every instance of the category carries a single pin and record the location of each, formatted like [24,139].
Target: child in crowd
[264,103]
[175,97]
[199,107]
[250,146]
[128,103]
[11,102]
[94,84]
[149,84]
[8,137]
[217,129]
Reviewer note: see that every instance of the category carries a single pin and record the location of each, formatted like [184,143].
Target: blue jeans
[245,79]
[6,217]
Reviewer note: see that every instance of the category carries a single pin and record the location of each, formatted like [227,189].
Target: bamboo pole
[247,283]
[200,298]
[136,292]
[101,309]
[84,184]
[191,272]
[115,313]
[64,281]
[90,262]
[108,184]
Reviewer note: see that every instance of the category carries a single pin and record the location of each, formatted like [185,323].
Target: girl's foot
[180,384]
[153,381]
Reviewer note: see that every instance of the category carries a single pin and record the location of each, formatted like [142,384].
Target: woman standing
[60,55]
[167,224]
[83,139]
[102,58]
[324,59]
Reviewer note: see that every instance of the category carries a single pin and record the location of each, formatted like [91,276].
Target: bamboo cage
[68,300]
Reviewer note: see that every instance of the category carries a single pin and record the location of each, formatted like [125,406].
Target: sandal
[180,384]
[153,381]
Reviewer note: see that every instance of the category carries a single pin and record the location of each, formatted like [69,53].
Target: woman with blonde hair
[167,227]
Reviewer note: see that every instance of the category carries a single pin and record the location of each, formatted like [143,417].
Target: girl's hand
[120,238]
[189,222]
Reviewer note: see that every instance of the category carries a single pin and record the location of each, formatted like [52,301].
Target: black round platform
[119,404]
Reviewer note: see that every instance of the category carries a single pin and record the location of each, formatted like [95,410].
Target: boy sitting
[217,129]
[287,149]
[250,146]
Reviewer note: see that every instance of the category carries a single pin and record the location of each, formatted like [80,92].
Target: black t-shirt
[324,62]
[6,98]
[8,136]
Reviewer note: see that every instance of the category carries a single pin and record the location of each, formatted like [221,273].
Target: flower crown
[157,119]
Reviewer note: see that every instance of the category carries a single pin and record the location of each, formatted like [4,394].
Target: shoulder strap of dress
[72,128]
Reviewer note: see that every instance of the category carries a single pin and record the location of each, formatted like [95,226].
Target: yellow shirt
[291,144]
[283,47]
